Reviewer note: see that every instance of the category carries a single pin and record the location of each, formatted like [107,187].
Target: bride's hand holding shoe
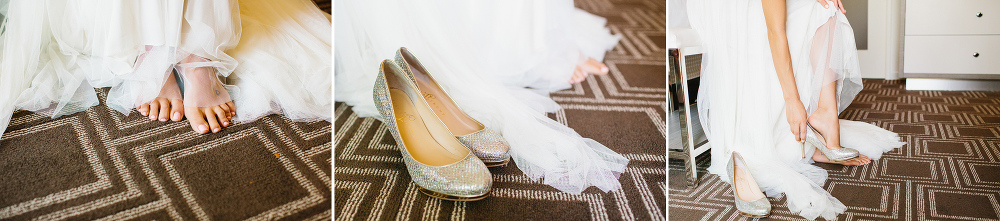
[796,115]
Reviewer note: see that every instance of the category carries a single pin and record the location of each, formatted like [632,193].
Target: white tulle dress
[741,104]
[274,55]
[487,54]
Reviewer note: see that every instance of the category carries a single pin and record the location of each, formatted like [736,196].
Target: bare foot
[167,104]
[859,161]
[586,67]
[209,108]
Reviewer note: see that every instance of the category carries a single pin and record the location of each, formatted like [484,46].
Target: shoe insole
[425,138]
[453,117]
[746,186]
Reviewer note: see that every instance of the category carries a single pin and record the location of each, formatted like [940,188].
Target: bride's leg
[825,119]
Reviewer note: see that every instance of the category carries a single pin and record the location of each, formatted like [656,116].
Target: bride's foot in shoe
[824,134]
[861,160]
[587,67]
[208,105]
[166,105]
[826,122]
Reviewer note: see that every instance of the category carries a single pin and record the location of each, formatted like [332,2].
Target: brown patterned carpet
[100,164]
[623,110]
[948,170]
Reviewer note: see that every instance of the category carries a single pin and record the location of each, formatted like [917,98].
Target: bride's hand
[836,3]
[796,114]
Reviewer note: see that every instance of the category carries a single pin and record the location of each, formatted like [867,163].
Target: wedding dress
[486,54]
[274,56]
[741,104]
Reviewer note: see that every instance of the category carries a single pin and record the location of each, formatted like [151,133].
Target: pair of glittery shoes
[445,151]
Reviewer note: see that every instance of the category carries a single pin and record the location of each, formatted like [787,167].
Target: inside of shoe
[445,108]
[426,139]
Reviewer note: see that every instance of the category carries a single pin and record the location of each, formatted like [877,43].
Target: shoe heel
[803,150]
[497,164]
[835,156]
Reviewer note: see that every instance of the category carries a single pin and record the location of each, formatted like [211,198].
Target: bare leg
[825,119]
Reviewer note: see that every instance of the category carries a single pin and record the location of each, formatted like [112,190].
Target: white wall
[881,60]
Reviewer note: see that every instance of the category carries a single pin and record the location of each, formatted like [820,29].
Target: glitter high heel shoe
[750,201]
[835,155]
[438,163]
[487,144]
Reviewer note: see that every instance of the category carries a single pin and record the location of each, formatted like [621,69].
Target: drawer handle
[975,55]
[980,15]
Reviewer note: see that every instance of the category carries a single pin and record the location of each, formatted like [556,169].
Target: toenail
[215,130]
[203,128]
[177,116]
[604,69]
[225,123]
[163,119]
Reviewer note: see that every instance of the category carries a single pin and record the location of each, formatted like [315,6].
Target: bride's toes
[221,115]
[164,112]
[213,119]
[176,109]
[232,109]
[577,75]
[596,67]
[197,120]
[143,109]
[154,109]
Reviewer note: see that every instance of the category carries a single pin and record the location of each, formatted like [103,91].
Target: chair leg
[687,135]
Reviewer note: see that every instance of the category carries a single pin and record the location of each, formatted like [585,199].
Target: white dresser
[951,39]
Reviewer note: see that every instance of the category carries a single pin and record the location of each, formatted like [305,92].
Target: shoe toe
[466,178]
[488,145]
[759,207]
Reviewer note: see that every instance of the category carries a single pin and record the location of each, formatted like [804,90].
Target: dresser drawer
[952,55]
[952,17]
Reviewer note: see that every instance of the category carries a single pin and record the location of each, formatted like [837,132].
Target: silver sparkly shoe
[487,144]
[440,165]
[750,201]
[835,155]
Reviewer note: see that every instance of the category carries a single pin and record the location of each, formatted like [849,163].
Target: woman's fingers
[823,2]
[802,132]
[840,6]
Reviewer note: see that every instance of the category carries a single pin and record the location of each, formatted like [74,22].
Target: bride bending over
[776,74]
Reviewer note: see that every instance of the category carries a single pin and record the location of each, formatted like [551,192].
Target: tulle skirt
[54,53]
[741,104]
[487,54]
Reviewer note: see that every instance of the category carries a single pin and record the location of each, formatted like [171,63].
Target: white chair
[683,41]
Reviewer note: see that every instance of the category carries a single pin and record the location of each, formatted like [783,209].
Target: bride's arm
[795,112]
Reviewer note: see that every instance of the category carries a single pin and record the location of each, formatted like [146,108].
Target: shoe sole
[841,161]
[753,216]
[819,145]
[450,197]
[497,164]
